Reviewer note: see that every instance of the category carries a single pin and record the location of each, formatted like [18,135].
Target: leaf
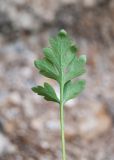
[47,91]
[63,49]
[69,56]
[51,57]
[75,69]
[83,59]
[62,64]
[71,89]
[46,68]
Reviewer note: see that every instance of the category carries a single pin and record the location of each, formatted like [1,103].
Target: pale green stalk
[62,120]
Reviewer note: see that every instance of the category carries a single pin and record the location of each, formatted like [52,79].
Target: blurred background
[29,126]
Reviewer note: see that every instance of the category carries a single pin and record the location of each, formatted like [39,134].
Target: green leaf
[71,90]
[47,68]
[47,91]
[83,59]
[75,69]
[51,57]
[62,64]
[63,49]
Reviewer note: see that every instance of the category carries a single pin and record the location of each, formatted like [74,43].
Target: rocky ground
[29,126]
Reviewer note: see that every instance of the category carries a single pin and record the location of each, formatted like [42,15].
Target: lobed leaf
[47,92]
[63,49]
[75,69]
[71,90]
[47,68]
[63,65]
[49,54]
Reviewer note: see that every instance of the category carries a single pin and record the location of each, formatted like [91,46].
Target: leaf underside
[71,90]
[60,59]
[47,91]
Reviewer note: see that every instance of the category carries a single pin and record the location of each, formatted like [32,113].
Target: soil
[29,126]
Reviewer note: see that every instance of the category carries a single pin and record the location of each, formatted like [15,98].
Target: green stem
[62,122]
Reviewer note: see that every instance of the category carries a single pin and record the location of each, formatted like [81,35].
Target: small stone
[89,3]
[26,72]
[28,108]
[46,10]
[36,124]
[93,122]
[6,146]
[53,125]
[70,133]
[45,145]
[14,98]
[69,1]
[9,127]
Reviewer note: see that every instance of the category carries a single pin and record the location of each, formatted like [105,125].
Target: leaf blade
[62,64]
[71,89]
[76,69]
[45,66]
[47,92]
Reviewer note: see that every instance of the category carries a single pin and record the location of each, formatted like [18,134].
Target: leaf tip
[83,58]
[33,89]
[62,33]
[73,48]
